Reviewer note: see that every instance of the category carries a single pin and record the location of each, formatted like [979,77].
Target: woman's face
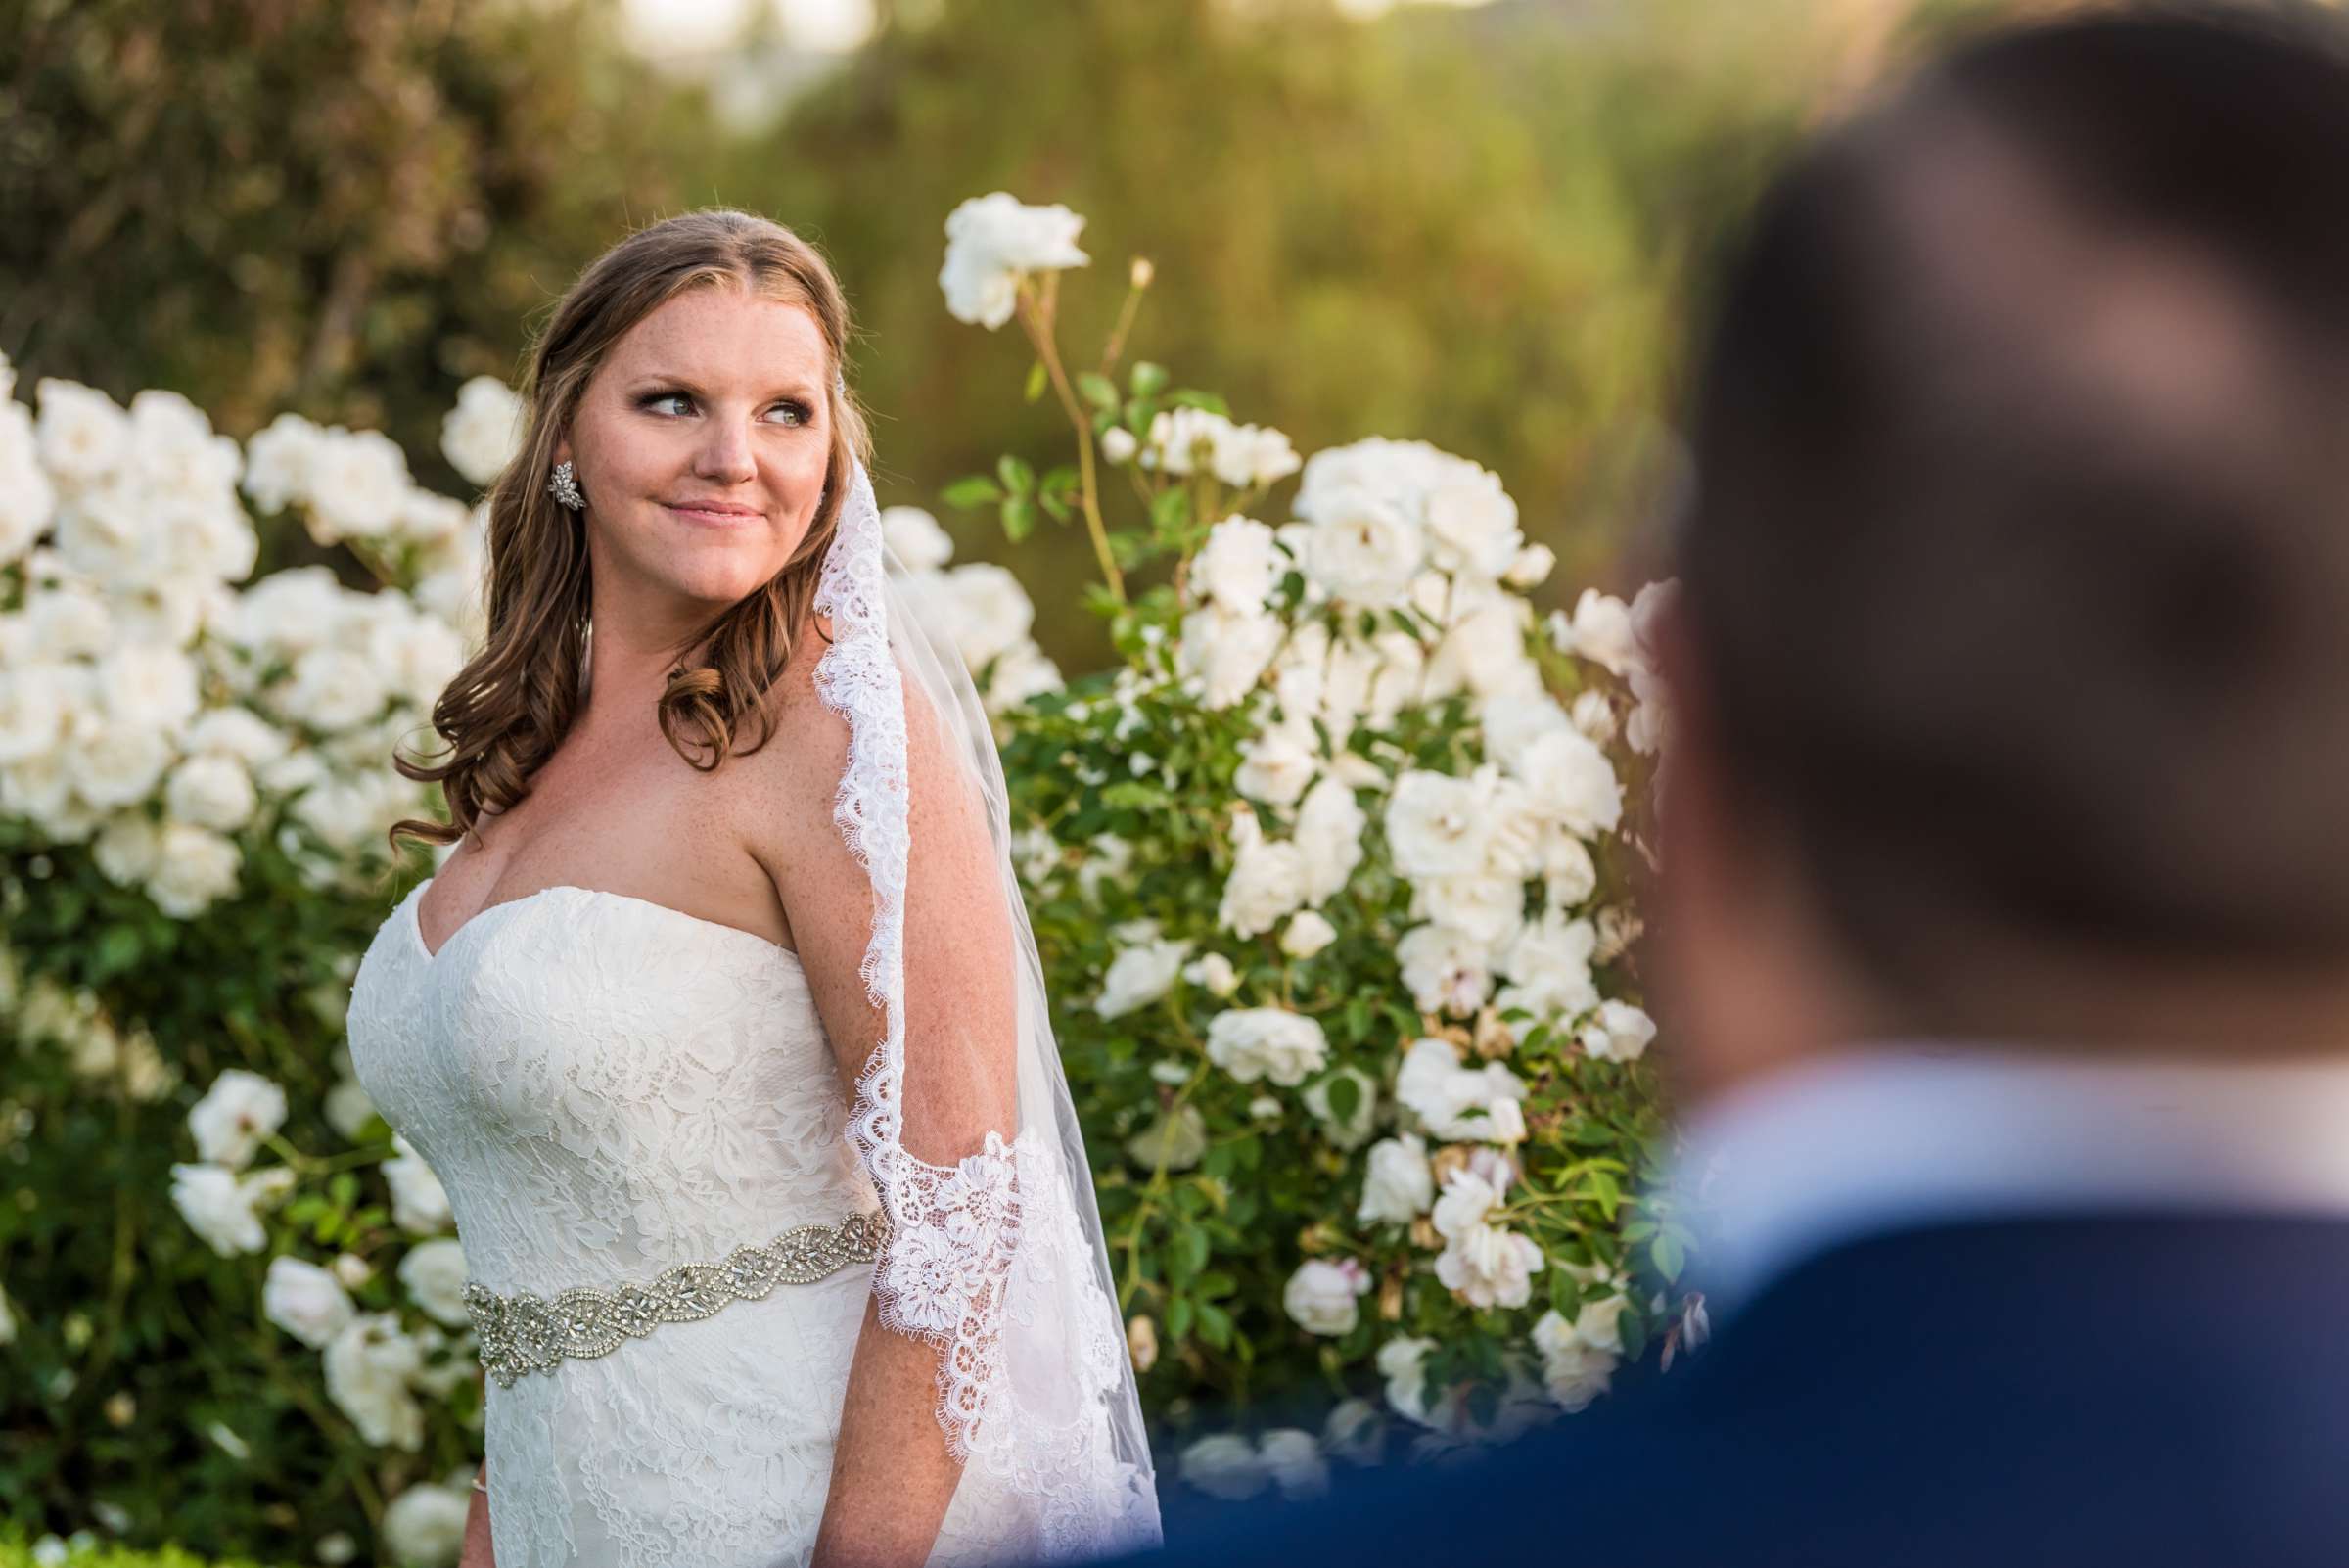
[701,443]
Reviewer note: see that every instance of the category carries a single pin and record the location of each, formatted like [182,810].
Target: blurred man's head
[2013,659]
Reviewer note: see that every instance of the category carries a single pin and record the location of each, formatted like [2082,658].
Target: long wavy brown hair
[510,707]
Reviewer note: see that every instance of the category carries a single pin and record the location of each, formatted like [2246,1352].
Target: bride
[721,1023]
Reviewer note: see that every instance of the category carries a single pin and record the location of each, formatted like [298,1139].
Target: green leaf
[1208,400]
[1038,381]
[1358,1018]
[1169,509]
[1214,1283]
[1018,477]
[1061,480]
[1670,1255]
[1148,380]
[1345,1096]
[1018,518]
[1098,390]
[1633,1329]
[1190,1251]
[1178,1318]
[1215,1325]
[975,490]
[1057,505]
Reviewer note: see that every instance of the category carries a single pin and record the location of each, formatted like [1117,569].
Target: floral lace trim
[954,1230]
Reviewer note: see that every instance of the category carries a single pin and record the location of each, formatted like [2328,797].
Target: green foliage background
[1473,227]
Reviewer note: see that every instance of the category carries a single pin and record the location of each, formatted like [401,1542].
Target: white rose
[913,536]
[66,622]
[305,1301]
[174,447]
[277,462]
[334,689]
[1226,653]
[1117,445]
[419,1203]
[1575,1370]
[358,485]
[1458,1102]
[1532,567]
[1399,1184]
[1602,633]
[28,501]
[1512,722]
[1362,551]
[1266,879]
[368,1367]
[1252,455]
[1619,1033]
[1183,441]
[480,434]
[1570,875]
[288,611]
[1253,1043]
[1329,838]
[1472,523]
[148,684]
[425,1523]
[1305,935]
[236,1113]
[83,434]
[991,241]
[1593,717]
[1214,974]
[1572,783]
[1483,653]
[1238,566]
[1445,970]
[194,868]
[125,849]
[1225,1465]
[435,1274]
[1486,908]
[1277,766]
[1434,827]
[1322,1296]
[33,705]
[992,614]
[1403,1363]
[1490,1266]
[431,520]
[1139,976]
[1468,1200]
[218,1208]
[212,791]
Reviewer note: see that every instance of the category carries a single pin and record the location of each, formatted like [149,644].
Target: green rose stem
[1156,1187]
[1036,311]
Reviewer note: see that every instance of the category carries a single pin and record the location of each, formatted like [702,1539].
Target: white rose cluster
[160,715]
[980,607]
[1198,440]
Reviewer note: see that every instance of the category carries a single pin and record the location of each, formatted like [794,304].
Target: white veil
[995,1255]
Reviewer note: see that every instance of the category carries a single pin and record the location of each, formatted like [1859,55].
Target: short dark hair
[2017,565]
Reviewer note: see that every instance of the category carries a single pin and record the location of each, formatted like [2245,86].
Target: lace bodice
[606,1087]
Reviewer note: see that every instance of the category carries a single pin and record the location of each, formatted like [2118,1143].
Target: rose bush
[1332,878]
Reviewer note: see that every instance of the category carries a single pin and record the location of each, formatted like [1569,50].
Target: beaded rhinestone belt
[526,1333]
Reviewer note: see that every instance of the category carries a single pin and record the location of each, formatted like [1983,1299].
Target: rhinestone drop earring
[564,485]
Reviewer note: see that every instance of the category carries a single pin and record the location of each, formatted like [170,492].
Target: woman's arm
[893,1475]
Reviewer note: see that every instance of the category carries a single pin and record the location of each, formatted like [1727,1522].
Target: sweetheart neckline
[415,904]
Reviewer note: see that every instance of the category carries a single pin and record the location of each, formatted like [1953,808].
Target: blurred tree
[1468,227]
[342,209]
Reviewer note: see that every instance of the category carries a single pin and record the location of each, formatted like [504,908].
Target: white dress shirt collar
[1889,1136]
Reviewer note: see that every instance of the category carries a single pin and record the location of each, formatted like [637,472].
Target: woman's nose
[725,454]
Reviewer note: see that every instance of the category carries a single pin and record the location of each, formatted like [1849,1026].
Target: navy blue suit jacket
[2123,1390]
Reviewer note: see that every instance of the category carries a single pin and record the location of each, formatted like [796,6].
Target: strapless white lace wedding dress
[608,1088]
